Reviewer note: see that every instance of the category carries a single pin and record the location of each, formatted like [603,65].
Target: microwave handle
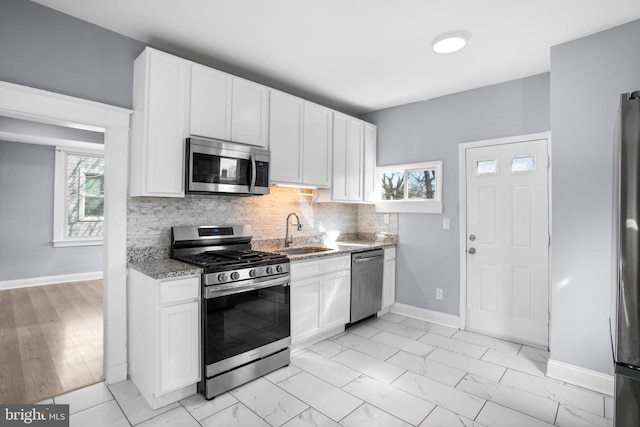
[253,173]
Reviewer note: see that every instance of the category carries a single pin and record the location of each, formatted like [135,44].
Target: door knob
[472,251]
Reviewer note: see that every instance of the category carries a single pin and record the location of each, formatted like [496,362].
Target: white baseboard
[581,377]
[437,317]
[115,374]
[50,280]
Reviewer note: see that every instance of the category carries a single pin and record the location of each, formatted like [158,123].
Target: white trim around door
[47,107]
[462,167]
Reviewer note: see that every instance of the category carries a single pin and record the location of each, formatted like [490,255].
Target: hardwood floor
[50,340]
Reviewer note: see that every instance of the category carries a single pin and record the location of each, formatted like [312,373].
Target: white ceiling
[360,55]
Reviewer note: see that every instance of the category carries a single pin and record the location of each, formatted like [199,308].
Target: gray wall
[587,77]
[428,257]
[26,218]
[49,50]
[26,212]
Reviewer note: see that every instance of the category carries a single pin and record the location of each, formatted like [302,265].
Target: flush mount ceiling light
[450,42]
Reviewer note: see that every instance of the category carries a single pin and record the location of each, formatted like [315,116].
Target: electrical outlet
[385,218]
[439,293]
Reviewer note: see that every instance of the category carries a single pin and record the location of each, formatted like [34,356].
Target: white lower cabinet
[389,279]
[164,337]
[320,296]
[306,308]
[336,295]
[177,342]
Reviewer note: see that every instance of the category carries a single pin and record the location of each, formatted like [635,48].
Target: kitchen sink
[304,250]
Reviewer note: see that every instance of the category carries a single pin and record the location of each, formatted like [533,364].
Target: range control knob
[280,269]
[269,270]
[253,272]
[222,277]
[235,275]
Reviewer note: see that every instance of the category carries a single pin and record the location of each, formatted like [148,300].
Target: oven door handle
[254,174]
[214,293]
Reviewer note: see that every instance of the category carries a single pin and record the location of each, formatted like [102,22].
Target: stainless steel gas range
[245,306]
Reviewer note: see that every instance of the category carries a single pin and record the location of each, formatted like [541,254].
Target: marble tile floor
[390,371]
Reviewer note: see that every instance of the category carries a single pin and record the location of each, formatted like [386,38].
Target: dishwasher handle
[367,259]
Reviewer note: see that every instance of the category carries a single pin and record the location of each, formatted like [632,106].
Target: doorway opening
[47,107]
[51,263]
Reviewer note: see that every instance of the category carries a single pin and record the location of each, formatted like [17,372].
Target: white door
[507,241]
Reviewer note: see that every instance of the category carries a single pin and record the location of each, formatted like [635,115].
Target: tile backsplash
[149,220]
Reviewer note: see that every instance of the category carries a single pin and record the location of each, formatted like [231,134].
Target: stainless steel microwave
[215,166]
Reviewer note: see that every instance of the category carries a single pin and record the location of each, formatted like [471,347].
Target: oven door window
[215,169]
[242,322]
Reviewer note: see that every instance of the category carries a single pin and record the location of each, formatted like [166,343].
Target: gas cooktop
[225,254]
[222,260]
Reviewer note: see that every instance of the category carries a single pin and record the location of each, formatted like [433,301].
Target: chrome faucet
[287,238]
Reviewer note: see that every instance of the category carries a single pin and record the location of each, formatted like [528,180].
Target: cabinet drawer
[172,291]
[389,253]
[337,263]
[303,269]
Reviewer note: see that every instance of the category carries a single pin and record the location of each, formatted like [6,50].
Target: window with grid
[79,199]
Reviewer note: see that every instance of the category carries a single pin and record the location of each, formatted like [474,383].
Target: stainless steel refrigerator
[625,307]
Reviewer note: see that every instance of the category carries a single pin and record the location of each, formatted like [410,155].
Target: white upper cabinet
[250,113]
[355,159]
[348,153]
[228,107]
[211,92]
[310,145]
[369,169]
[300,141]
[285,137]
[340,143]
[317,145]
[158,127]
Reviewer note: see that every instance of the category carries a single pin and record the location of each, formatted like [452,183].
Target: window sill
[77,242]
[409,206]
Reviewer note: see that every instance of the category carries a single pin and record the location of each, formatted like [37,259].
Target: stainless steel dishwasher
[366,283]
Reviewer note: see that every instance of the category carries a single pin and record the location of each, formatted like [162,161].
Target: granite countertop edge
[340,248]
[166,268]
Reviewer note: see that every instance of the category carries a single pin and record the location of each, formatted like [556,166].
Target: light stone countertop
[339,248]
[166,268]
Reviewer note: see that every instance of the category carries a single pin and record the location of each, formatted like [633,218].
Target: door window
[486,167]
[523,164]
